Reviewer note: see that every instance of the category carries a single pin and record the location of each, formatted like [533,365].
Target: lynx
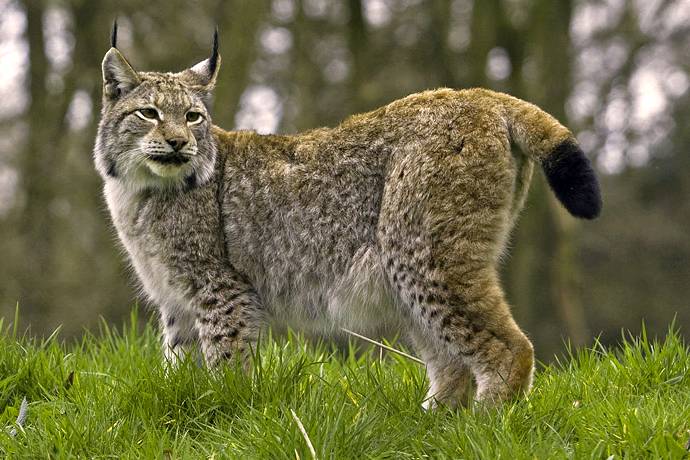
[396,218]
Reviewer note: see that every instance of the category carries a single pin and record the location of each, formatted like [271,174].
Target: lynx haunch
[396,218]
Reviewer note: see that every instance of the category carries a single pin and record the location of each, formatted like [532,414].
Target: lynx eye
[147,114]
[193,117]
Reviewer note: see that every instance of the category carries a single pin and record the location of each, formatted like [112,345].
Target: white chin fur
[164,170]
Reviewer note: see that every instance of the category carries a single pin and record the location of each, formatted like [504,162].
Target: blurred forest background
[615,71]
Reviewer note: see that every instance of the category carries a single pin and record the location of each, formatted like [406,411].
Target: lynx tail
[567,169]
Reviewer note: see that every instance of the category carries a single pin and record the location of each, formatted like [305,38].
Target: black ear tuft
[204,73]
[113,35]
[213,61]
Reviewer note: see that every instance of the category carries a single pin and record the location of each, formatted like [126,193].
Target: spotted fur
[394,219]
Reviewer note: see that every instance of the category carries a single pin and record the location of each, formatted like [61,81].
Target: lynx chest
[146,251]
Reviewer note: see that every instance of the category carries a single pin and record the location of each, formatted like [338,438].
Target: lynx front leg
[179,333]
[229,322]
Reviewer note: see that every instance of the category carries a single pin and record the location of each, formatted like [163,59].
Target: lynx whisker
[384,346]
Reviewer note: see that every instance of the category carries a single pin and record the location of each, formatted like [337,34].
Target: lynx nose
[177,143]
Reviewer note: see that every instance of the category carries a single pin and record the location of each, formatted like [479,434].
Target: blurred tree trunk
[357,38]
[551,35]
[443,62]
[484,37]
[306,74]
[36,165]
[48,275]
[238,28]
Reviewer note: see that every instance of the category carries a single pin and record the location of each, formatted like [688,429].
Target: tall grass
[110,396]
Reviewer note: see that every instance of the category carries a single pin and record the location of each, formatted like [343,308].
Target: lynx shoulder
[395,219]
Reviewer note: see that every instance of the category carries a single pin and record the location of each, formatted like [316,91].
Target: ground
[110,396]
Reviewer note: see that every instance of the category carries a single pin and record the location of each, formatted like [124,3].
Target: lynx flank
[394,219]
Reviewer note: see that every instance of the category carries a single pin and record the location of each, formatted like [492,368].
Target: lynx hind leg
[179,334]
[468,331]
[498,352]
[440,249]
[229,329]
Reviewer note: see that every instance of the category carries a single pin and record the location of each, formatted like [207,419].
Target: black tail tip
[572,178]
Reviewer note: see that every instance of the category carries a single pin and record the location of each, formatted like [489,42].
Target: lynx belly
[358,300]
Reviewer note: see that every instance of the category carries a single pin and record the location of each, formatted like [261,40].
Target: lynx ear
[119,77]
[204,73]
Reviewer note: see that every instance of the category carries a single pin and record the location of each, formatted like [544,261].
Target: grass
[110,396]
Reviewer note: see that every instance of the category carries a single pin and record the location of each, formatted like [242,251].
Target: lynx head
[155,128]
